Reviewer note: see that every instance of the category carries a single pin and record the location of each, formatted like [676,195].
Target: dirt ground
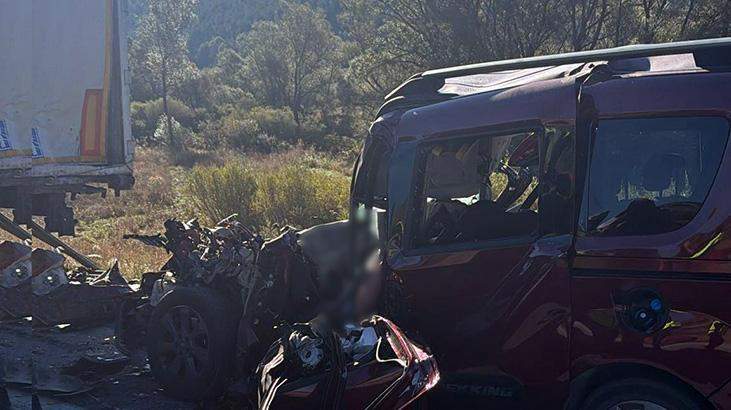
[74,369]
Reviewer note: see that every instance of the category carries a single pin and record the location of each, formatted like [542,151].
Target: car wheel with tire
[191,343]
[640,394]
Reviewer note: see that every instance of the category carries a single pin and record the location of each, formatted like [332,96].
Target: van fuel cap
[641,310]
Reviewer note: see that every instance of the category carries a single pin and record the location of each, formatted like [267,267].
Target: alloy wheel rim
[184,345]
[638,405]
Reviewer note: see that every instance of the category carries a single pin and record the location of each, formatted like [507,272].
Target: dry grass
[103,221]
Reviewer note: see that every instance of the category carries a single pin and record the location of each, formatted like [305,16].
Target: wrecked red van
[556,229]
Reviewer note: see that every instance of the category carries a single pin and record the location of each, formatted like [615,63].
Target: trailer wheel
[191,342]
[639,394]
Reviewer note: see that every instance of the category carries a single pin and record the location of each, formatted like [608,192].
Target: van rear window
[651,176]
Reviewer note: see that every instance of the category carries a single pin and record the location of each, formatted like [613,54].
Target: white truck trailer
[64,106]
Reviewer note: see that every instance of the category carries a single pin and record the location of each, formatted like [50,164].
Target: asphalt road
[74,369]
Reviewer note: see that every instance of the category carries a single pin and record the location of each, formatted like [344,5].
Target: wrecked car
[555,229]
[212,312]
[373,365]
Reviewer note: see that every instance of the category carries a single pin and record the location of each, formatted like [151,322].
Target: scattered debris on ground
[34,283]
[56,336]
[74,368]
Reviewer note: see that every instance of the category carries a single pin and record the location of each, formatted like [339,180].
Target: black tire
[191,341]
[628,394]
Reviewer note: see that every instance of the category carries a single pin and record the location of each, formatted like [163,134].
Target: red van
[558,229]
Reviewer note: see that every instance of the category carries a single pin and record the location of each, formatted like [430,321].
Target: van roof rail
[417,83]
[631,51]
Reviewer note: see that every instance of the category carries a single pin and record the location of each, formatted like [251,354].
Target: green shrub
[217,192]
[295,195]
[242,133]
[145,117]
[344,147]
[265,194]
[261,129]
[274,122]
[183,136]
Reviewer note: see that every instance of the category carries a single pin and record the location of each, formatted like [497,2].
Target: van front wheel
[639,394]
[191,343]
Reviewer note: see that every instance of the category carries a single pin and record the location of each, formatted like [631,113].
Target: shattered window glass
[557,182]
[371,187]
[650,176]
[479,189]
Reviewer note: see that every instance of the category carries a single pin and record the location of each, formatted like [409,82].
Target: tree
[707,19]
[396,38]
[294,61]
[375,66]
[222,21]
[160,49]
[653,13]
[587,19]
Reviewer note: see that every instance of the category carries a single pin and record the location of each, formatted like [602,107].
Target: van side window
[478,189]
[651,176]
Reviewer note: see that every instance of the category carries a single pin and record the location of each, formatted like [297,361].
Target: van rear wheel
[639,394]
[191,343]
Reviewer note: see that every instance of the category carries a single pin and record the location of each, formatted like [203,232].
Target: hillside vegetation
[264,76]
